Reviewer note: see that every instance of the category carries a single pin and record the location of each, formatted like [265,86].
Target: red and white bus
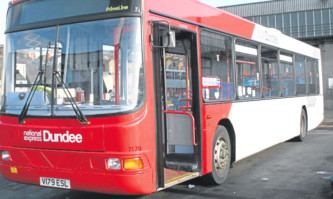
[134,96]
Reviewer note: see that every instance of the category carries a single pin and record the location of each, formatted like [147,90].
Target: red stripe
[246,62]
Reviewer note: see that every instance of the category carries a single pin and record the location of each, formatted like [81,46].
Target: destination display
[34,11]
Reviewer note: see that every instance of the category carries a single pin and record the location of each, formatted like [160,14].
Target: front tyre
[221,157]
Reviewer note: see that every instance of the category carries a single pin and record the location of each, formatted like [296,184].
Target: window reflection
[99,62]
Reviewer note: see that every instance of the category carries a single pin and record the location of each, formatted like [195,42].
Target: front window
[99,63]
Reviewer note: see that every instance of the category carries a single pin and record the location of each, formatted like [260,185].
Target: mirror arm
[171,34]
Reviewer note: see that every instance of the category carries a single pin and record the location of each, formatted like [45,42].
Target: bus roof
[214,18]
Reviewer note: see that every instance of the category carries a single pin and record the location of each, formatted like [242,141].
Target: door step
[173,177]
[183,166]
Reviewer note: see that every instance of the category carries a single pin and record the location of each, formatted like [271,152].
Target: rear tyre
[303,127]
[221,157]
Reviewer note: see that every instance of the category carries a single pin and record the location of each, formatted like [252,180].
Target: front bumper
[86,171]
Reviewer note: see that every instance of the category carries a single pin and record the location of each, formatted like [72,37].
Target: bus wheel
[303,126]
[221,157]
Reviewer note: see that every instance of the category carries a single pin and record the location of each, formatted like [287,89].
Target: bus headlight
[5,155]
[114,163]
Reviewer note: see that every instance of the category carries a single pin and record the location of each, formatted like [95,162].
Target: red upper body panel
[204,14]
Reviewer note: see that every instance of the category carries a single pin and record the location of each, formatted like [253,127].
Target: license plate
[55,182]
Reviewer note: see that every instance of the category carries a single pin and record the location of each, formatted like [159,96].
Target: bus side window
[270,72]
[300,75]
[287,74]
[312,76]
[248,82]
[216,67]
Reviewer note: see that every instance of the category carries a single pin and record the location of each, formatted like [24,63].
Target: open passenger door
[177,102]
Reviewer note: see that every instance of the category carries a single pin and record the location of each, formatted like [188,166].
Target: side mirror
[168,36]
[169,39]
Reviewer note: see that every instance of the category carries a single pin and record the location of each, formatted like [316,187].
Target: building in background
[308,20]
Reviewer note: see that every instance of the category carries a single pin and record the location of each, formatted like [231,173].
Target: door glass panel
[178,84]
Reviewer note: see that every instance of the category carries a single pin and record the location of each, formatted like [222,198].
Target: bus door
[177,97]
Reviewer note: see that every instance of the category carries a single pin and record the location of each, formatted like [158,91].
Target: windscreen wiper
[33,89]
[78,112]
[37,82]
[56,76]
[30,96]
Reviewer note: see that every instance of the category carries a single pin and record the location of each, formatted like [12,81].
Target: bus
[135,96]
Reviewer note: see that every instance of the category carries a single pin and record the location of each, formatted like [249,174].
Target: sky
[215,3]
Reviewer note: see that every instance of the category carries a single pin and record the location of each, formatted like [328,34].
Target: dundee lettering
[62,138]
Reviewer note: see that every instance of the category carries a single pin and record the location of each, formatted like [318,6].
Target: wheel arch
[228,125]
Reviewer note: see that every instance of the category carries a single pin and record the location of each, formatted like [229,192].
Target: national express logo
[47,136]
